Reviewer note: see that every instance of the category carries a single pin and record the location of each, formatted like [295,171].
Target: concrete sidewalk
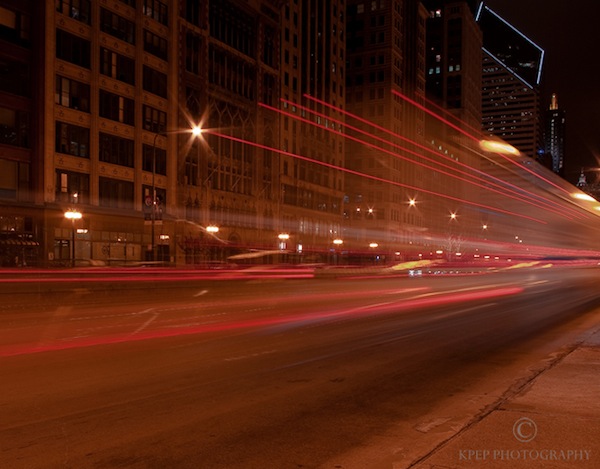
[551,422]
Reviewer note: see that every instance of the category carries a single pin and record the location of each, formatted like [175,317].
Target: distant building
[453,64]
[313,91]
[385,55]
[554,136]
[512,67]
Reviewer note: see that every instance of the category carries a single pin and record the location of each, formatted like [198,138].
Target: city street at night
[347,371]
[299,234]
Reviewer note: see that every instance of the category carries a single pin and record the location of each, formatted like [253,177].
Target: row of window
[80,10]
[74,187]
[77,50]
[76,95]
[75,141]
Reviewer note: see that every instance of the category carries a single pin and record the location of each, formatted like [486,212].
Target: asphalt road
[265,372]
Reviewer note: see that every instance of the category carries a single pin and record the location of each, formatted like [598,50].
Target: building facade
[100,99]
[386,60]
[454,77]
[311,112]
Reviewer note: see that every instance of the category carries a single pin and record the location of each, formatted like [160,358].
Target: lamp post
[153,212]
[337,243]
[73,215]
[196,131]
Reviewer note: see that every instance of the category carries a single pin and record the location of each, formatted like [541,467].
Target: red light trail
[294,320]
[517,190]
[455,127]
[368,176]
[520,196]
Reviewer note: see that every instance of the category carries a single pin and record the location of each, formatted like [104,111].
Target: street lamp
[283,239]
[73,215]
[196,131]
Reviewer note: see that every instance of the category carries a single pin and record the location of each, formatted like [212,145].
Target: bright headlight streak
[582,196]
[498,147]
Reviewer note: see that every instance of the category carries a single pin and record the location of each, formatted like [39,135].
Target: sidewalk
[553,422]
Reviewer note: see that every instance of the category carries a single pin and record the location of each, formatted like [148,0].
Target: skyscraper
[386,55]
[512,67]
[554,136]
[312,83]
[454,43]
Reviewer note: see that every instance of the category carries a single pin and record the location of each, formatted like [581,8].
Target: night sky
[570,35]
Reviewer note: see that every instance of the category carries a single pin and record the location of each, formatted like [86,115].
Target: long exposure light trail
[472,137]
[484,176]
[375,178]
[521,196]
[293,320]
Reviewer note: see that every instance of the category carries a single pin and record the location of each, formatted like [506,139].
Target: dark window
[193,45]
[77,9]
[192,13]
[230,25]
[115,193]
[148,154]
[154,120]
[269,49]
[157,10]
[117,66]
[72,94]
[191,170]
[131,3]
[72,140]
[14,77]
[117,108]
[117,26]
[72,187]
[15,26]
[155,45]
[155,82]
[116,150]
[72,49]
[14,127]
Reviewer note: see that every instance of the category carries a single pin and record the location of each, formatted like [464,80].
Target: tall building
[454,75]
[98,99]
[225,68]
[22,142]
[554,135]
[386,55]
[512,67]
[313,62]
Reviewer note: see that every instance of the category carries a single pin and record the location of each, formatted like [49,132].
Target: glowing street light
[283,238]
[212,229]
[196,131]
[73,215]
